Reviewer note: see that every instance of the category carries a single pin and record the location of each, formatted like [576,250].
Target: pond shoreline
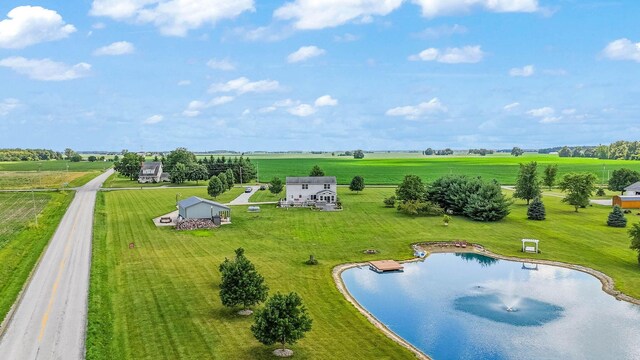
[608,285]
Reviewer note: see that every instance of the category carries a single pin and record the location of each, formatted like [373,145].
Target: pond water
[468,306]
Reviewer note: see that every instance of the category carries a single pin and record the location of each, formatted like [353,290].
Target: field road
[50,320]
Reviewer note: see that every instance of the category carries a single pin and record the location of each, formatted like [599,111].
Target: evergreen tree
[550,173]
[616,218]
[215,187]
[536,210]
[241,284]
[276,185]
[316,171]
[527,184]
[579,188]
[634,233]
[283,320]
[223,181]
[230,178]
[487,204]
[357,184]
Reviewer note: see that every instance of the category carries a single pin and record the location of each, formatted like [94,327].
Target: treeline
[430,151]
[481,152]
[619,150]
[29,155]
[242,167]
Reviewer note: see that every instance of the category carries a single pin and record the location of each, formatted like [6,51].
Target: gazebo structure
[530,249]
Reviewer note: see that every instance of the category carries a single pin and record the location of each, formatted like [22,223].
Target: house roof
[633,187]
[150,165]
[293,180]
[629,197]
[196,200]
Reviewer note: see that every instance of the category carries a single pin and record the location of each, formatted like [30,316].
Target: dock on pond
[381,266]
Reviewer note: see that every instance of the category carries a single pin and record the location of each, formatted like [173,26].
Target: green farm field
[48,174]
[391,170]
[160,300]
[21,241]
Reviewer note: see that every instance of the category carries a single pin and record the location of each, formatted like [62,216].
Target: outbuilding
[198,208]
[627,201]
[633,189]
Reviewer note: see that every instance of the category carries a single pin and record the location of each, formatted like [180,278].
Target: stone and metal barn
[301,190]
[198,208]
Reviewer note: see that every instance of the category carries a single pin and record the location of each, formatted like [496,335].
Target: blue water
[454,306]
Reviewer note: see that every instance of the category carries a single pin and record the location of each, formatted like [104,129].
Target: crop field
[48,174]
[160,300]
[54,165]
[21,241]
[391,170]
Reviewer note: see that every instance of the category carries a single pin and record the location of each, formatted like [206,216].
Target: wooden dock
[381,266]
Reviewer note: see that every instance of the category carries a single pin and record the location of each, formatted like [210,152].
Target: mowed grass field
[160,300]
[380,171]
[52,174]
[21,241]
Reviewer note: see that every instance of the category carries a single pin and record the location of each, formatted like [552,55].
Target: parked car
[247,189]
[263,187]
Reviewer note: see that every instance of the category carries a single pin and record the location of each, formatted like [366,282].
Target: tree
[622,178]
[223,181]
[179,173]
[429,151]
[579,187]
[198,172]
[516,151]
[488,203]
[68,153]
[283,320]
[116,158]
[276,185]
[390,201]
[564,152]
[76,157]
[241,284]
[316,171]
[215,187]
[634,233]
[230,178]
[179,155]
[357,184]
[550,173]
[129,166]
[536,210]
[358,154]
[411,188]
[452,192]
[92,158]
[616,218]
[527,184]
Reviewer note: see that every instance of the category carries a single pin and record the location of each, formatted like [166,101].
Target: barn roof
[188,202]
[633,187]
[293,180]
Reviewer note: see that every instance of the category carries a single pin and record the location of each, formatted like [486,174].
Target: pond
[469,306]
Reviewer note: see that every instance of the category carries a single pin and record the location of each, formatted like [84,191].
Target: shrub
[422,208]
[600,192]
[536,210]
[390,202]
[616,218]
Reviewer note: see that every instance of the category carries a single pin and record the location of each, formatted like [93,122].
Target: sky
[307,75]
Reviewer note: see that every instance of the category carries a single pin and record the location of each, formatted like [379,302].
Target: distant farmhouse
[151,172]
[198,208]
[311,190]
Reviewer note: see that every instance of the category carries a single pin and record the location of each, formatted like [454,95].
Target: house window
[305,186]
[313,197]
[327,186]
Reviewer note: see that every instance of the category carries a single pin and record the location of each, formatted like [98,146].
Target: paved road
[243,199]
[50,321]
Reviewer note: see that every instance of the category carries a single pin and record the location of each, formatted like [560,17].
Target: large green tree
[578,189]
[527,183]
[516,151]
[316,171]
[411,188]
[198,172]
[276,185]
[358,154]
[283,320]
[634,233]
[230,178]
[179,155]
[215,187]
[179,173]
[550,173]
[241,284]
[622,178]
[357,183]
[129,165]
[488,203]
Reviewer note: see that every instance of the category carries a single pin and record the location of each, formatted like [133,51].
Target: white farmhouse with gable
[311,189]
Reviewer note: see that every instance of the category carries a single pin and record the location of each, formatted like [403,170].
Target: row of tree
[29,155]
[220,183]
[619,150]
[430,151]
[481,152]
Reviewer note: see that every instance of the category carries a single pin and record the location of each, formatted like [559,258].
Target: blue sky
[318,75]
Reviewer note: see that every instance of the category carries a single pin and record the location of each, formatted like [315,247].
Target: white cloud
[153,119]
[434,8]
[224,64]
[305,53]
[346,38]
[466,54]
[115,49]
[184,82]
[172,17]
[267,109]
[243,85]
[263,33]
[46,69]
[8,105]
[412,112]
[220,100]
[285,103]
[302,110]
[511,106]
[569,111]
[29,25]
[320,14]
[545,114]
[195,107]
[622,49]
[525,71]
[98,26]
[326,100]
[441,31]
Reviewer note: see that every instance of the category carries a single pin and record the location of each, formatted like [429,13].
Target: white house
[198,208]
[633,189]
[151,172]
[301,190]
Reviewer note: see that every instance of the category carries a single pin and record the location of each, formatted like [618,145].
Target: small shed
[627,201]
[633,189]
[198,208]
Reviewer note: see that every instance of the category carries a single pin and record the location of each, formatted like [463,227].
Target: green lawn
[392,170]
[160,300]
[21,241]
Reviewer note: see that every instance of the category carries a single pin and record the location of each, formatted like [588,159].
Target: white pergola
[530,249]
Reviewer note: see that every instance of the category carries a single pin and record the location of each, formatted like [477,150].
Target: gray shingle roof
[633,187]
[150,165]
[188,202]
[292,180]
